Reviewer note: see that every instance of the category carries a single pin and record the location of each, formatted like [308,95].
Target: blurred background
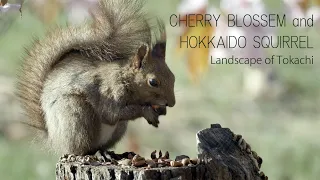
[275,107]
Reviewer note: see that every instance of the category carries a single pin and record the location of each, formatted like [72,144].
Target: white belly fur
[106,133]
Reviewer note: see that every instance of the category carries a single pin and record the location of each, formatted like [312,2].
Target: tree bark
[221,158]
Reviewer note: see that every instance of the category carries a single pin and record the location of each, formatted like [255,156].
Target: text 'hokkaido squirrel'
[81,85]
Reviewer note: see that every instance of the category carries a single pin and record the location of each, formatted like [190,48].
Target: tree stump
[222,156]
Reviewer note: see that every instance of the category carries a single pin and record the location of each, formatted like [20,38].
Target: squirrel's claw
[151,116]
[263,176]
[99,156]
[154,124]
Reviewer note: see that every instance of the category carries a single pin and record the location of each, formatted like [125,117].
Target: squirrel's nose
[171,103]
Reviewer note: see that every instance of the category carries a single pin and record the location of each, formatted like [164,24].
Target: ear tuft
[159,50]
[141,54]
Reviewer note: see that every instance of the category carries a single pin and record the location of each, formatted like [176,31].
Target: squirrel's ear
[141,54]
[159,50]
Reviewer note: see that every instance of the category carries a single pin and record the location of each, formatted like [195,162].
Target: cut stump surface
[222,156]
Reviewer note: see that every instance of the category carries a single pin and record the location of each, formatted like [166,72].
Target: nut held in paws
[161,110]
[155,107]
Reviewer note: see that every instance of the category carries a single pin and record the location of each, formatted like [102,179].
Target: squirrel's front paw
[151,116]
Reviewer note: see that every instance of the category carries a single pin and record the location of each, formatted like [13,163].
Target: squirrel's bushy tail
[119,26]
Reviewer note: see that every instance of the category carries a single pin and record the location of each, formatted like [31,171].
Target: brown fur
[112,58]
[93,42]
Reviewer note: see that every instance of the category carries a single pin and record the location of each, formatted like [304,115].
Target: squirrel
[81,85]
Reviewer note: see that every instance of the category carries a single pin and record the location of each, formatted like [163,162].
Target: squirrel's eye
[153,82]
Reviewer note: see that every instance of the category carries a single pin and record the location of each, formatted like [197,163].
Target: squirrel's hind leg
[72,125]
[102,153]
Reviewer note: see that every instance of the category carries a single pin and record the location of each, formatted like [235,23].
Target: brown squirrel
[81,85]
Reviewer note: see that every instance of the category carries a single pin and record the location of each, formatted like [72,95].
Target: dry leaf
[197,58]
[46,10]
[303,4]
[3,2]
